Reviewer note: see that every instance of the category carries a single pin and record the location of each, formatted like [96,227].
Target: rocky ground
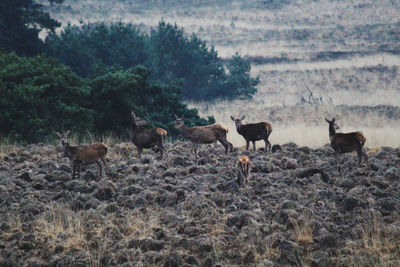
[178,211]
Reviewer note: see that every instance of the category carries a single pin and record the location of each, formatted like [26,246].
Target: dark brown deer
[204,134]
[83,155]
[243,166]
[254,132]
[147,138]
[346,142]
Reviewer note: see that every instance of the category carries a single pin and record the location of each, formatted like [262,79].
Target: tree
[90,47]
[20,24]
[93,49]
[115,94]
[39,95]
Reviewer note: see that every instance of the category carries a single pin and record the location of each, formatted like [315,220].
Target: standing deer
[204,134]
[254,132]
[83,155]
[346,142]
[243,166]
[147,138]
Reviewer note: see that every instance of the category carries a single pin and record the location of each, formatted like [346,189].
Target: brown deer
[83,155]
[243,166]
[147,138]
[254,132]
[346,142]
[204,134]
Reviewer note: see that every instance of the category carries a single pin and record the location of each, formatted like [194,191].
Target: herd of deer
[155,137]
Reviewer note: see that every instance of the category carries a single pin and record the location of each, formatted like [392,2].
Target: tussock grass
[377,246]
[303,233]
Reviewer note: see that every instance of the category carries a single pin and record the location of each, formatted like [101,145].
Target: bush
[39,95]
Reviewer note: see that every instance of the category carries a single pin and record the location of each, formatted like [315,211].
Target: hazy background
[347,53]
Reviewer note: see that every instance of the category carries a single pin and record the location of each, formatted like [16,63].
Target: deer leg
[73,171]
[240,177]
[79,170]
[139,151]
[364,156]
[226,145]
[100,168]
[338,161]
[247,145]
[254,145]
[161,147]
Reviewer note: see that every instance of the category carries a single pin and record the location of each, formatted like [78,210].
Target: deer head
[63,137]
[238,122]
[179,122]
[137,120]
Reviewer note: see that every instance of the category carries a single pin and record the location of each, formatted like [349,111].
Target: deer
[83,155]
[253,132]
[147,138]
[204,134]
[243,167]
[346,143]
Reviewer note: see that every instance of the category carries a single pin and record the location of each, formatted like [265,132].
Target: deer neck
[332,132]
[68,150]
[185,131]
[239,128]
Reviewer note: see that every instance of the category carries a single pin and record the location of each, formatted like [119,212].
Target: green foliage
[20,23]
[93,49]
[39,95]
[115,94]
[88,47]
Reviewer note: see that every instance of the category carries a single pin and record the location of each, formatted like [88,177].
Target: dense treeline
[39,95]
[166,50]
[90,77]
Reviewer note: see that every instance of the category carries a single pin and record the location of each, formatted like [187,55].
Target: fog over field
[346,53]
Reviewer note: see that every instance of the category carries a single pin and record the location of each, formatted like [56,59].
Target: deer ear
[232,118]
[242,118]
[67,133]
[58,134]
[176,117]
[327,120]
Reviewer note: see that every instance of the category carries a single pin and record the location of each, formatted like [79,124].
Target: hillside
[314,59]
[297,209]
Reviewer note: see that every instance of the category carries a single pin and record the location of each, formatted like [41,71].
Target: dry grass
[141,225]
[377,246]
[59,226]
[303,233]
[88,232]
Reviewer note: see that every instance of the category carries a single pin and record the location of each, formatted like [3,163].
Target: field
[179,211]
[315,59]
[347,53]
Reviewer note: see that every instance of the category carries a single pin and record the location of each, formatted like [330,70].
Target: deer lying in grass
[204,134]
[254,132]
[83,155]
[147,138]
[243,166]
[346,142]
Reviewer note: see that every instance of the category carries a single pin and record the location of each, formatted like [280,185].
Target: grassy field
[346,53]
